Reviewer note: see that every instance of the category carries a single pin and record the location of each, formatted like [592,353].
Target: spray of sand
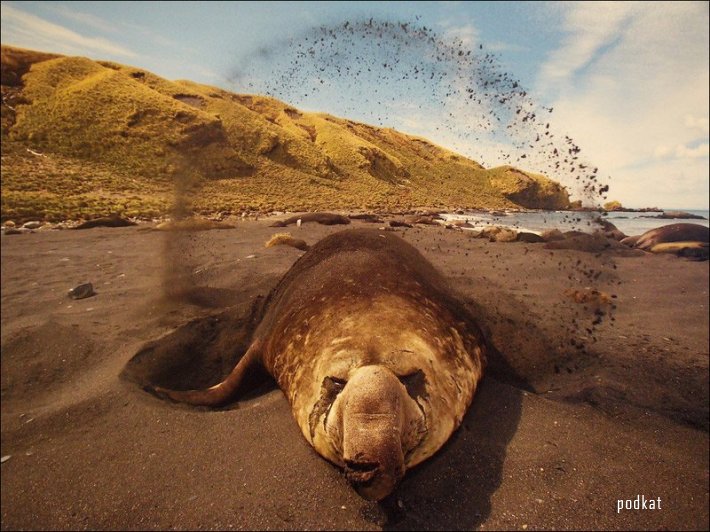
[179,264]
[405,75]
[463,92]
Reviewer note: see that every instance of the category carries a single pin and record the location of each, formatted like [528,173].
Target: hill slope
[83,137]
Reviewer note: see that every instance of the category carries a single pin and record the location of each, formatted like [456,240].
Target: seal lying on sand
[114,220]
[325,218]
[376,357]
[682,232]
[683,239]
[192,224]
[692,250]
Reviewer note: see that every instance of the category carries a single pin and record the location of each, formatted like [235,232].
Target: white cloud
[86,19]
[24,29]
[589,29]
[630,85]
[672,185]
[103,25]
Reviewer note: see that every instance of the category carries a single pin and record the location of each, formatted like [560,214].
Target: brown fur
[693,250]
[681,232]
[285,239]
[364,337]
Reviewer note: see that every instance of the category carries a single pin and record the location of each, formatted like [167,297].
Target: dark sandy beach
[581,415]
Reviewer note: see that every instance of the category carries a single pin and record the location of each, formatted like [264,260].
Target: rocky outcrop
[532,191]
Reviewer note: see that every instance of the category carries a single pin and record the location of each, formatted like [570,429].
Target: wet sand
[583,414]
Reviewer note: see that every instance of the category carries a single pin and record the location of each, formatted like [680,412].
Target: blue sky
[627,80]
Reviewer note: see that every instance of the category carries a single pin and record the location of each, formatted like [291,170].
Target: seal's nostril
[361,466]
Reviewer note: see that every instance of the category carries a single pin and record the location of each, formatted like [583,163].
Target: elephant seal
[325,218]
[609,230]
[630,241]
[692,250]
[377,358]
[192,224]
[114,220]
[367,217]
[399,223]
[681,232]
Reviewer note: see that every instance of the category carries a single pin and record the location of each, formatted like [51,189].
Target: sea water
[629,223]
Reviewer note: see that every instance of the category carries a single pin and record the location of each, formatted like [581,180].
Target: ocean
[630,223]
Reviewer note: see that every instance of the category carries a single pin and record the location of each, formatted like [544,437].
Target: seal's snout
[360,473]
[373,481]
[373,417]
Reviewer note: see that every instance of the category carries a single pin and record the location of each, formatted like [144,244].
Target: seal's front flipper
[219,393]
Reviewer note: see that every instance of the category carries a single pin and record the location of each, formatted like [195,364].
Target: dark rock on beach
[530,238]
[82,291]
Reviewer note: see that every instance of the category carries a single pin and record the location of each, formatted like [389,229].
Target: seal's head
[373,424]
[379,385]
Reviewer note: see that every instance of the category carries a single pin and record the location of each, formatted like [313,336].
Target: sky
[628,81]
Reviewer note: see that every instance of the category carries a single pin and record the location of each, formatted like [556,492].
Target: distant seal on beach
[399,223]
[630,241]
[693,250]
[377,358]
[609,230]
[192,224]
[366,217]
[681,232]
[325,218]
[113,220]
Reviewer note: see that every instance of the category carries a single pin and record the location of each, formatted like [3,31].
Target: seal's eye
[330,389]
[415,383]
[334,384]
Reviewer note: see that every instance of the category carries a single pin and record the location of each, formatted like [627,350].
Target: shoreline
[487,217]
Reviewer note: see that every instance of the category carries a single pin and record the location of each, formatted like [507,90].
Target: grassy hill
[82,138]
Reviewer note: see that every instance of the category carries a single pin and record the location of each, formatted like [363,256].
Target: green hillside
[83,137]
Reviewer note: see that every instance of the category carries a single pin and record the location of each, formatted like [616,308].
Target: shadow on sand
[453,489]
